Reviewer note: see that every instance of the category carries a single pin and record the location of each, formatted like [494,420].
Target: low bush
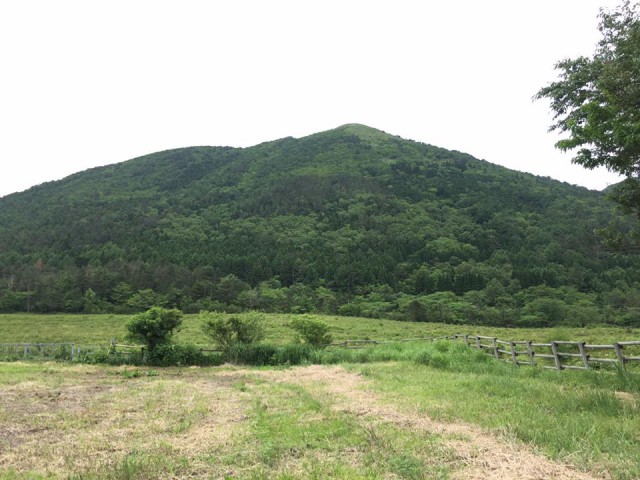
[458,357]
[228,331]
[313,332]
[155,326]
[167,355]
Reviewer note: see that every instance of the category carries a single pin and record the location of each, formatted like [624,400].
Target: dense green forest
[351,221]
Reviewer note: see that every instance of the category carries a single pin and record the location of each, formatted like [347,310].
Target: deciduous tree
[596,103]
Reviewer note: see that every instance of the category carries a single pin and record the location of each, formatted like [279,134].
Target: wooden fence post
[495,348]
[619,354]
[556,358]
[466,340]
[514,356]
[583,353]
[478,344]
[531,353]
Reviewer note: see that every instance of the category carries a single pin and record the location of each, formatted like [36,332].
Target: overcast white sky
[88,83]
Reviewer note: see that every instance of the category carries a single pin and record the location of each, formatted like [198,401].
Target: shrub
[416,311]
[349,310]
[227,331]
[313,332]
[155,326]
[62,353]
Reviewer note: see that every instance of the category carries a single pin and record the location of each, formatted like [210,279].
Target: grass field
[417,410]
[100,329]
[393,420]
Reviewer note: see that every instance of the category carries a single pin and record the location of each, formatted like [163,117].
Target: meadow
[414,410]
[409,418]
[99,329]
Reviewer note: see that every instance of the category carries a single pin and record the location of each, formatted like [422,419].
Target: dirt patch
[483,455]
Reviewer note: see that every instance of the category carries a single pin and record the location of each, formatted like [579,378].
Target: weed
[131,374]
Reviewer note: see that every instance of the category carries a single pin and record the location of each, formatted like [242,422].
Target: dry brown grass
[91,422]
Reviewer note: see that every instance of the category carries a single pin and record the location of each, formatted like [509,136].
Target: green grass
[276,423]
[585,418]
[293,431]
[100,329]
[58,328]
[291,419]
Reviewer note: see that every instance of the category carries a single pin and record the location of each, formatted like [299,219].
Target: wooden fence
[127,350]
[557,354]
[40,350]
[130,350]
[355,344]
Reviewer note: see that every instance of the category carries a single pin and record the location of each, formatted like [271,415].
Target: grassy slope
[99,329]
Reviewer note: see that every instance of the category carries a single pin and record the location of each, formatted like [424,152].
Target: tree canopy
[596,103]
[350,221]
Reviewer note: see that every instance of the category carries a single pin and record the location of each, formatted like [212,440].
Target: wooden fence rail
[128,349]
[365,343]
[563,354]
[141,348]
[44,350]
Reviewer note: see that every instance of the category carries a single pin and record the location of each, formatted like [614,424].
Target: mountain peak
[371,135]
[363,131]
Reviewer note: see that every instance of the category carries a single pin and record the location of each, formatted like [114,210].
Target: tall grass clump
[109,356]
[261,354]
[174,355]
[441,354]
[295,354]
[459,357]
[258,354]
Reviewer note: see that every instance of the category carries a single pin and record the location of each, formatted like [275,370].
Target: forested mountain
[351,220]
